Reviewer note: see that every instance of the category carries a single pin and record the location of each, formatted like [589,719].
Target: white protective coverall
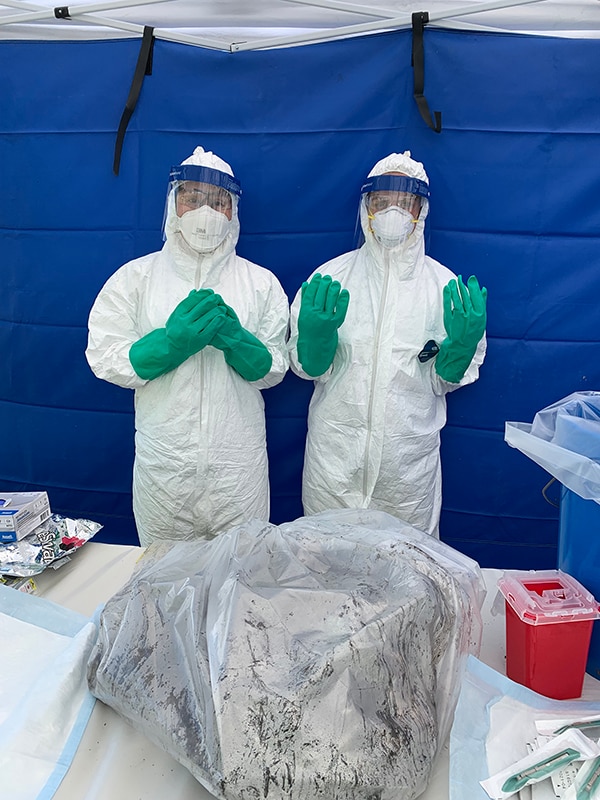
[200,445]
[375,416]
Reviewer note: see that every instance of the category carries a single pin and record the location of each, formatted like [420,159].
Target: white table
[114,762]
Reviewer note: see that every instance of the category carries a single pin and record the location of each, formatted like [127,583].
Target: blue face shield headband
[192,172]
[395,183]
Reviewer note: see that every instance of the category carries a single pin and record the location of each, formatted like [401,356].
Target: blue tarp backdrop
[515,199]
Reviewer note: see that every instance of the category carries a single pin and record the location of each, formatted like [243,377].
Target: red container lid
[543,597]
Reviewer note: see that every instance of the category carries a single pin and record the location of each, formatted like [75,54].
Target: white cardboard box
[20,513]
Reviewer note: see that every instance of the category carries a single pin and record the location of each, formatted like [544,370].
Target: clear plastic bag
[317,659]
[564,439]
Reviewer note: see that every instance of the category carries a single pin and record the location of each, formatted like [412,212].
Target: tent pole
[131,27]
[404,21]
[391,23]
[340,5]
[75,11]
[481,7]
[330,33]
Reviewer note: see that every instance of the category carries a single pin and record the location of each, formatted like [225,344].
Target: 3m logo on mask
[204,228]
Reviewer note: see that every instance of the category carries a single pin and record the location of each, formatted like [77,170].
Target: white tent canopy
[235,25]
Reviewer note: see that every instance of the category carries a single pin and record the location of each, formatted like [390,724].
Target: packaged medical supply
[560,751]
[21,513]
[495,725]
[27,585]
[552,727]
[586,785]
[47,545]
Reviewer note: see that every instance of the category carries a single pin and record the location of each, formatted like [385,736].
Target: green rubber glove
[189,329]
[248,356]
[323,309]
[464,321]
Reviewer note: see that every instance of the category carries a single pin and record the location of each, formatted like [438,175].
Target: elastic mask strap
[372,216]
[142,68]
[419,20]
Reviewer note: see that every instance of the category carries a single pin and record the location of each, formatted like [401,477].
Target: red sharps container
[549,620]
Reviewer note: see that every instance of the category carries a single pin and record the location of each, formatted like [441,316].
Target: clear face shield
[390,207]
[201,205]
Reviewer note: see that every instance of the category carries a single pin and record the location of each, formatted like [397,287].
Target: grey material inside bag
[320,658]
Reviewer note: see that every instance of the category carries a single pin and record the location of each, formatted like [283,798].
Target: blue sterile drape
[515,199]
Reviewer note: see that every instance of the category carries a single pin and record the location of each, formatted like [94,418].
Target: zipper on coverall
[380,315]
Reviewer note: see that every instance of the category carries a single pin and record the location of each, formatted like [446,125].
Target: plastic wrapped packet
[27,585]
[317,659]
[539,765]
[52,540]
[497,722]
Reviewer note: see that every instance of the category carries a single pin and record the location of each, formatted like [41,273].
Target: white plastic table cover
[113,760]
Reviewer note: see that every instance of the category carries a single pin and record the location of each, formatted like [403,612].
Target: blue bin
[579,555]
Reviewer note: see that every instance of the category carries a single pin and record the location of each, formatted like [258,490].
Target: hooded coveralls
[375,416]
[200,446]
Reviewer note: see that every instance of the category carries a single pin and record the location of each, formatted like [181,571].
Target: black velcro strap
[419,20]
[142,68]
[62,12]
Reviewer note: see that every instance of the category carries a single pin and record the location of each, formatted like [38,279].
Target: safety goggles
[190,195]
